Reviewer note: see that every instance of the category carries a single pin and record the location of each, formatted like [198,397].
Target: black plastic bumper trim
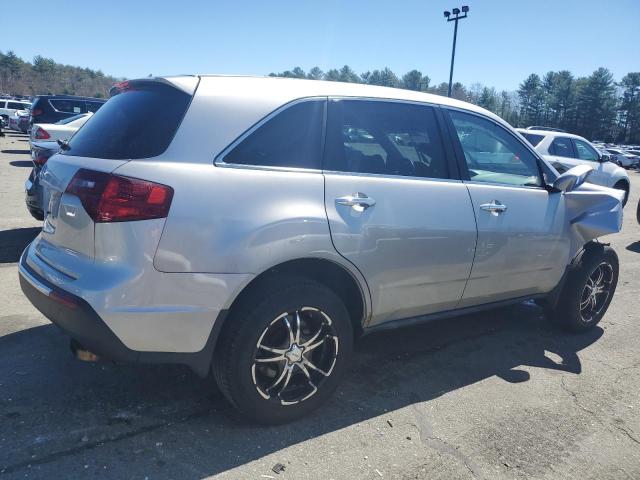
[81,322]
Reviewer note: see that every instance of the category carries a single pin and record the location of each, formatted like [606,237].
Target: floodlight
[465,8]
[456,11]
[447,13]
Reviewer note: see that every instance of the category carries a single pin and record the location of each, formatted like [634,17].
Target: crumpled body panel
[593,211]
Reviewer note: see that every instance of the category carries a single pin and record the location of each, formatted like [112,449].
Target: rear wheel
[622,185]
[588,291]
[283,352]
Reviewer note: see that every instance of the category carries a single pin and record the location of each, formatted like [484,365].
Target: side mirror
[572,179]
[605,158]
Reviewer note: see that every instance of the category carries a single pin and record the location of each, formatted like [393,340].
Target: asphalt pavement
[500,395]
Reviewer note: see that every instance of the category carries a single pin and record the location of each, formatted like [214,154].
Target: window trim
[452,166]
[218,160]
[462,163]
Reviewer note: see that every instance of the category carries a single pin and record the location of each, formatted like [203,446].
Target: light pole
[447,14]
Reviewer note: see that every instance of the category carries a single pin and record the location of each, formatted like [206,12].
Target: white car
[9,107]
[61,130]
[565,150]
[623,157]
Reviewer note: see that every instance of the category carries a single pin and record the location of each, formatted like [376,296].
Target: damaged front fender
[593,211]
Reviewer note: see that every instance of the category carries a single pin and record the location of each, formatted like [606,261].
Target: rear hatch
[79,187]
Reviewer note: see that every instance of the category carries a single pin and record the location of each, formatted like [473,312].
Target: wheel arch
[337,277]
[621,181]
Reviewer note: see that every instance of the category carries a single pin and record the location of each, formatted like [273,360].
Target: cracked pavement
[501,395]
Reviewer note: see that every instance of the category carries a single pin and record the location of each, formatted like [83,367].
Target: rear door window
[292,139]
[561,146]
[16,106]
[387,138]
[139,122]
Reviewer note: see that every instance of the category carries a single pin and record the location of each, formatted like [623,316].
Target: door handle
[495,207]
[358,201]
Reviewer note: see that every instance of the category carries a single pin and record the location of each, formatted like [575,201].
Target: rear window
[137,123]
[17,106]
[533,139]
[68,106]
[94,106]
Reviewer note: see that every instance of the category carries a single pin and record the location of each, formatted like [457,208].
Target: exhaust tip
[82,353]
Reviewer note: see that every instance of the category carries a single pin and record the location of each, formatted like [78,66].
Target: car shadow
[165,422]
[13,242]
[17,152]
[634,247]
[21,163]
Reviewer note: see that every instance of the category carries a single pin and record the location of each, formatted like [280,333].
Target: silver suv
[256,226]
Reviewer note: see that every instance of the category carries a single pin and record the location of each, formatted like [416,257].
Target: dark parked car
[51,108]
[40,153]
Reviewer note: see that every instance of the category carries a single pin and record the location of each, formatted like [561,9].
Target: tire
[576,310]
[622,185]
[638,212]
[37,214]
[286,389]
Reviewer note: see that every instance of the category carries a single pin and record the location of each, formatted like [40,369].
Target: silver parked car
[256,226]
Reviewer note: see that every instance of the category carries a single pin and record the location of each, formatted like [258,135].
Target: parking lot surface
[488,396]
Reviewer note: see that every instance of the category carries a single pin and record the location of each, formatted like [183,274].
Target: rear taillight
[41,134]
[40,157]
[112,198]
[35,113]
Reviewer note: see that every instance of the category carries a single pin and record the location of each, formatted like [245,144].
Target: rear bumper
[73,315]
[33,196]
[81,322]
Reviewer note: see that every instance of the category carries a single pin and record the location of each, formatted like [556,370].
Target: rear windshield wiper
[64,144]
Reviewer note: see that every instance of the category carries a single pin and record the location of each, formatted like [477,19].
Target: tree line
[596,107]
[44,76]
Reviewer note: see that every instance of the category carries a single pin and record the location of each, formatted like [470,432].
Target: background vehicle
[254,226]
[565,151]
[52,108]
[546,129]
[61,130]
[19,121]
[41,151]
[623,158]
[8,107]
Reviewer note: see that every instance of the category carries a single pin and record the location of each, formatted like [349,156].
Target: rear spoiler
[187,84]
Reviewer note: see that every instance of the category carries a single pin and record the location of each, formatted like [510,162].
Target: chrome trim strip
[391,177]
[505,185]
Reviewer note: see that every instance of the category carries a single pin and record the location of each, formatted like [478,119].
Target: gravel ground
[497,395]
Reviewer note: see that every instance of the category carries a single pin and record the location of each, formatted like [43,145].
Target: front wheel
[283,352]
[589,290]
